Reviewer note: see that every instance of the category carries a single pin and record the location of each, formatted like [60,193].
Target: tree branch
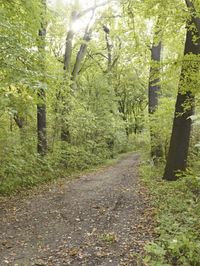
[92,8]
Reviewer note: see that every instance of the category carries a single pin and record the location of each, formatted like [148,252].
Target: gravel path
[102,218]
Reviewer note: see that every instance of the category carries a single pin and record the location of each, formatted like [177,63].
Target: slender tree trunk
[75,16]
[41,124]
[80,56]
[68,50]
[41,106]
[153,92]
[179,143]
[65,133]
[109,51]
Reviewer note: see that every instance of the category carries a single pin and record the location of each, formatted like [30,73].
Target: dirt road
[101,218]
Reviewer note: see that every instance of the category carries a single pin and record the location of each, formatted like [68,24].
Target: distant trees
[72,68]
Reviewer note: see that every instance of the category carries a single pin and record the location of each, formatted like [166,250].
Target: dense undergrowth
[177,212]
[22,167]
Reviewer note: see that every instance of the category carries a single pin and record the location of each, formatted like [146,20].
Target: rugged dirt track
[102,218]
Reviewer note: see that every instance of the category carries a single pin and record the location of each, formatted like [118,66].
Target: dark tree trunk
[41,124]
[154,86]
[179,143]
[65,134]
[41,106]
[153,92]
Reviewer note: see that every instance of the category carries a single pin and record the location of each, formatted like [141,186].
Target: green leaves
[19,23]
[178,205]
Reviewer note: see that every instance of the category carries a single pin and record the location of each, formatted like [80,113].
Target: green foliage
[19,22]
[109,238]
[177,206]
[160,127]
[21,167]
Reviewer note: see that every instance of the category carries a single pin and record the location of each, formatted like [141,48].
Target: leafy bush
[161,128]
[178,214]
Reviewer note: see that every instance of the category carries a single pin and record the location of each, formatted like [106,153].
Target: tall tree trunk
[179,143]
[153,91]
[68,44]
[41,123]
[154,86]
[41,106]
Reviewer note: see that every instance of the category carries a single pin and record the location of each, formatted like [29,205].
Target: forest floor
[101,218]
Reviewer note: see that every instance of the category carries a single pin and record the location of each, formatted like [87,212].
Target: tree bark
[154,86]
[41,124]
[153,91]
[68,45]
[80,56]
[179,143]
[41,106]
[82,51]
